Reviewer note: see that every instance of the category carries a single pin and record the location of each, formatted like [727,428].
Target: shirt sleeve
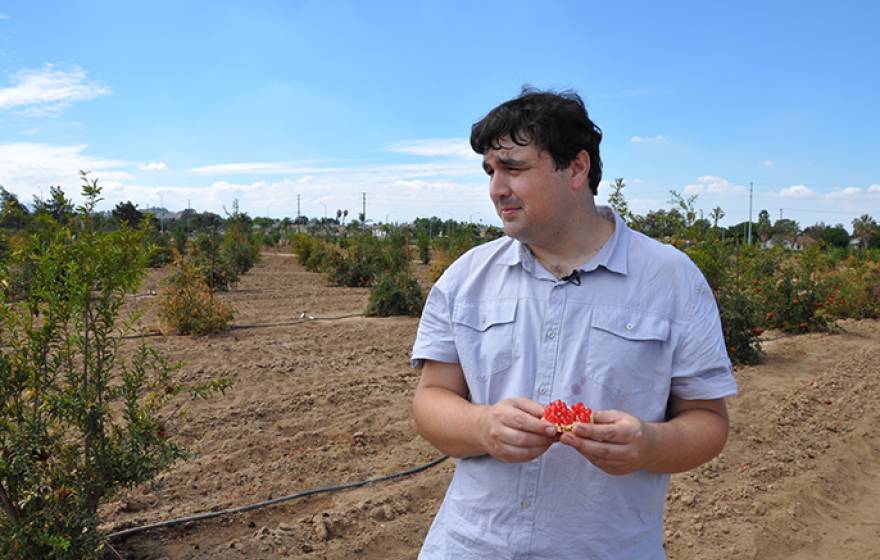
[701,369]
[434,339]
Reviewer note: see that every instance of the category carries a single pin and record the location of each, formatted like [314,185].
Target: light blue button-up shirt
[641,326]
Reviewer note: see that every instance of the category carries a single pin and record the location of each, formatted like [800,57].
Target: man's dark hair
[555,122]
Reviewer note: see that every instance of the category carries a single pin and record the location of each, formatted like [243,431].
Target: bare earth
[325,402]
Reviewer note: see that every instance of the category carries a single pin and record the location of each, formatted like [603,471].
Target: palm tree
[863,228]
[717,215]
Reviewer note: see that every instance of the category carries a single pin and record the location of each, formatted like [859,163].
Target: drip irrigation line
[242,509]
[303,318]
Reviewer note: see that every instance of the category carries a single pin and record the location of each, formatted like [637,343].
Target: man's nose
[499,186]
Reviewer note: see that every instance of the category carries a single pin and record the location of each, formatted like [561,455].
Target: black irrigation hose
[241,509]
[303,319]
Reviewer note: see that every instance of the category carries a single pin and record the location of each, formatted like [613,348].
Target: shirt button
[629,326]
[525,504]
[542,389]
[551,334]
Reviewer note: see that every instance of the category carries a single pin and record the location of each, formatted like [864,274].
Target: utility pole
[365,207]
[780,213]
[750,213]
[297,205]
[162,217]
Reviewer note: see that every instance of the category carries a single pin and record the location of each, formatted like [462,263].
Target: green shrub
[740,321]
[724,267]
[795,299]
[161,251]
[423,241]
[188,306]
[311,251]
[77,422]
[180,239]
[854,290]
[205,254]
[239,248]
[363,258]
[395,294]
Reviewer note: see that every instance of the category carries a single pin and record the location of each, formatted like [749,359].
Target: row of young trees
[759,288]
[683,216]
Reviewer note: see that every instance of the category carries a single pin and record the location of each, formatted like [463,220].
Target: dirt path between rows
[326,402]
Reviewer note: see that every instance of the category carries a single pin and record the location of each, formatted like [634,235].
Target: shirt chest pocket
[484,333]
[628,352]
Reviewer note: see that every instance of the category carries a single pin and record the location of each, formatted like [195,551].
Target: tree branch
[6,504]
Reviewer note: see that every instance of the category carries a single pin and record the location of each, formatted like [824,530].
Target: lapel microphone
[574,277]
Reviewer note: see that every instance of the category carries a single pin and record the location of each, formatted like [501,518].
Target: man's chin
[512,229]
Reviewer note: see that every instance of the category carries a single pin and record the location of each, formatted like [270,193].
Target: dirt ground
[319,403]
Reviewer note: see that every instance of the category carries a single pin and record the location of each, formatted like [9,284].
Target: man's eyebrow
[506,162]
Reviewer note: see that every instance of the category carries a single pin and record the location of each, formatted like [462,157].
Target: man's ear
[580,171]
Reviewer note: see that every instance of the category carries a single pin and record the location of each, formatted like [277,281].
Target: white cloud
[47,91]
[434,147]
[257,168]
[714,185]
[768,163]
[27,167]
[796,191]
[644,139]
[848,192]
[449,187]
[153,166]
[874,188]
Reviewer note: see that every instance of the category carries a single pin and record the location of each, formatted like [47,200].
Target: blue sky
[199,103]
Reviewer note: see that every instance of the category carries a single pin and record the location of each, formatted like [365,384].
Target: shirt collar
[612,255]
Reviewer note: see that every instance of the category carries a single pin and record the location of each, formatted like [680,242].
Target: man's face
[529,194]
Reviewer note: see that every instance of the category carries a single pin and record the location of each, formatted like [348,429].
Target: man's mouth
[507,211]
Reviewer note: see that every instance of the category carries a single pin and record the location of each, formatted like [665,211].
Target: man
[571,305]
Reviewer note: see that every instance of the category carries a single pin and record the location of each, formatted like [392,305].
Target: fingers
[614,444]
[613,458]
[610,426]
[514,433]
[525,415]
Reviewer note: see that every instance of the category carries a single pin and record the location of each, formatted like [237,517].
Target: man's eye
[489,172]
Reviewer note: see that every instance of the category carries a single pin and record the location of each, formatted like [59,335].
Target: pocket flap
[633,326]
[480,315]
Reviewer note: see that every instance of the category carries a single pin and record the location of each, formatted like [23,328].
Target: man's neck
[581,241]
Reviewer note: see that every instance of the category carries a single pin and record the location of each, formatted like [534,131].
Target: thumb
[606,416]
[529,406]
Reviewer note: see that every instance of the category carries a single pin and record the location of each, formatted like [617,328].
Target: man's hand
[513,430]
[617,442]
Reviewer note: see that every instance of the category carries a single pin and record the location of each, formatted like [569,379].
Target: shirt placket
[542,392]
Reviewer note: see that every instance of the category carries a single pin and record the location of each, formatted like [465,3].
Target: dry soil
[321,402]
